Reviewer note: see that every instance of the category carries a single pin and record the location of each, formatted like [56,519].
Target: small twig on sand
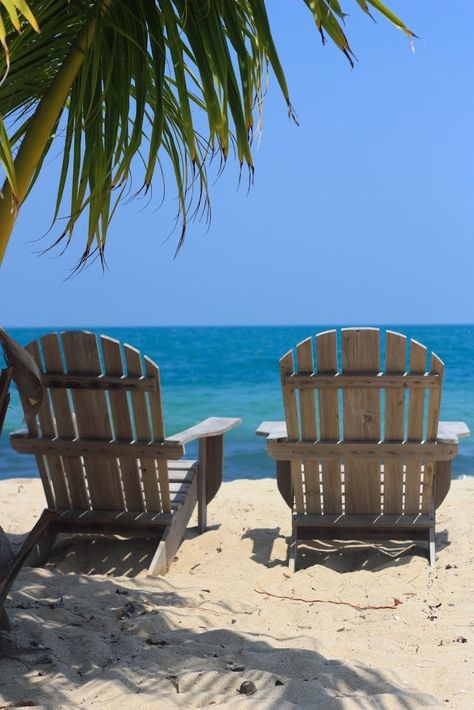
[396,602]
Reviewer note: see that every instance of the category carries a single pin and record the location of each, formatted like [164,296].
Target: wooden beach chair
[101,450]
[362,455]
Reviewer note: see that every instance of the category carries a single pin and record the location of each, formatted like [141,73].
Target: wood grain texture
[361,406]
[328,401]
[72,465]
[157,425]
[359,450]
[122,425]
[272,429]
[104,448]
[379,380]
[434,403]
[54,465]
[144,433]
[102,382]
[310,470]
[437,367]
[416,404]
[395,362]
[212,426]
[92,418]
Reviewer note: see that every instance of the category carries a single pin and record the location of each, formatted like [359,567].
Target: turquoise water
[233,371]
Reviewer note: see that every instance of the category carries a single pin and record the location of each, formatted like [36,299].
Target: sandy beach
[91,630]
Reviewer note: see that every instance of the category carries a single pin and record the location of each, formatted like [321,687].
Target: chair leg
[40,531]
[293,551]
[159,565]
[173,534]
[432,547]
[201,485]
[202,504]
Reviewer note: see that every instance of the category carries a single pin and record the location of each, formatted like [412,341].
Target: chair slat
[326,349]
[122,425]
[361,406]
[312,493]
[437,368]
[434,403]
[395,363]
[143,433]
[92,418]
[47,425]
[33,430]
[102,382]
[156,412]
[416,405]
[379,380]
[291,416]
[72,465]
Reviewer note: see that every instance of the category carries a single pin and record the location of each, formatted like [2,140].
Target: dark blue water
[233,371]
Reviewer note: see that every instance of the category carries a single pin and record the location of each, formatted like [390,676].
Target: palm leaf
[121,87]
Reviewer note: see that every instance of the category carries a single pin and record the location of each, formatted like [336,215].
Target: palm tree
[121,85]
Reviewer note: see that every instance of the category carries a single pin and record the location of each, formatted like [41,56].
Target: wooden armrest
[452,431]
[213,426]
[272,430]
[19,434]
[447,431]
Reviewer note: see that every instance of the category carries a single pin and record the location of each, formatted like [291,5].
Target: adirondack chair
[23,370]
[351,463]
[101,451]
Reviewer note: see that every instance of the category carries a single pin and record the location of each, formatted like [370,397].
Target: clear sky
[363,214]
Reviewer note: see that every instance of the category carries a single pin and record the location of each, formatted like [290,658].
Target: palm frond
[120,85]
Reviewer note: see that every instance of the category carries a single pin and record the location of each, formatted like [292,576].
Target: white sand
[87,633]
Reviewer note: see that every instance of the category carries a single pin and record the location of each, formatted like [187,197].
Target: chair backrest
[97,389]
[361,403]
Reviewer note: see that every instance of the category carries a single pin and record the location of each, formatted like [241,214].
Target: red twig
[396,602]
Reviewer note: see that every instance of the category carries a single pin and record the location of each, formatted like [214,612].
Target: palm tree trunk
[40,129]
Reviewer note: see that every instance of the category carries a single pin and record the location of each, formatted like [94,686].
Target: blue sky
[363,214]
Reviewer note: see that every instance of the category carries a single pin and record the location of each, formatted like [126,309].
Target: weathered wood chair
[361,456]
[101,451]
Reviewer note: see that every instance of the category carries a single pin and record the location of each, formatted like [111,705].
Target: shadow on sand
[87,641]
[339,556]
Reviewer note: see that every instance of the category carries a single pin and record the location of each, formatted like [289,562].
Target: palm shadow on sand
[134,642]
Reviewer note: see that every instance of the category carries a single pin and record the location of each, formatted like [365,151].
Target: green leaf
[6,158]
[161,82]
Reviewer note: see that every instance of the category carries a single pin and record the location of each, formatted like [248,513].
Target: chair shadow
[107,555]
[100,634]
[263,540]
[337,555]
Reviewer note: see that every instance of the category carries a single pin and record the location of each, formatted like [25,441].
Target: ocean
[233,371]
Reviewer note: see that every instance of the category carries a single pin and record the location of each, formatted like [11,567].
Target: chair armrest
[452,431]
[18,434]
[272,430]
[213,426]
[447,431]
